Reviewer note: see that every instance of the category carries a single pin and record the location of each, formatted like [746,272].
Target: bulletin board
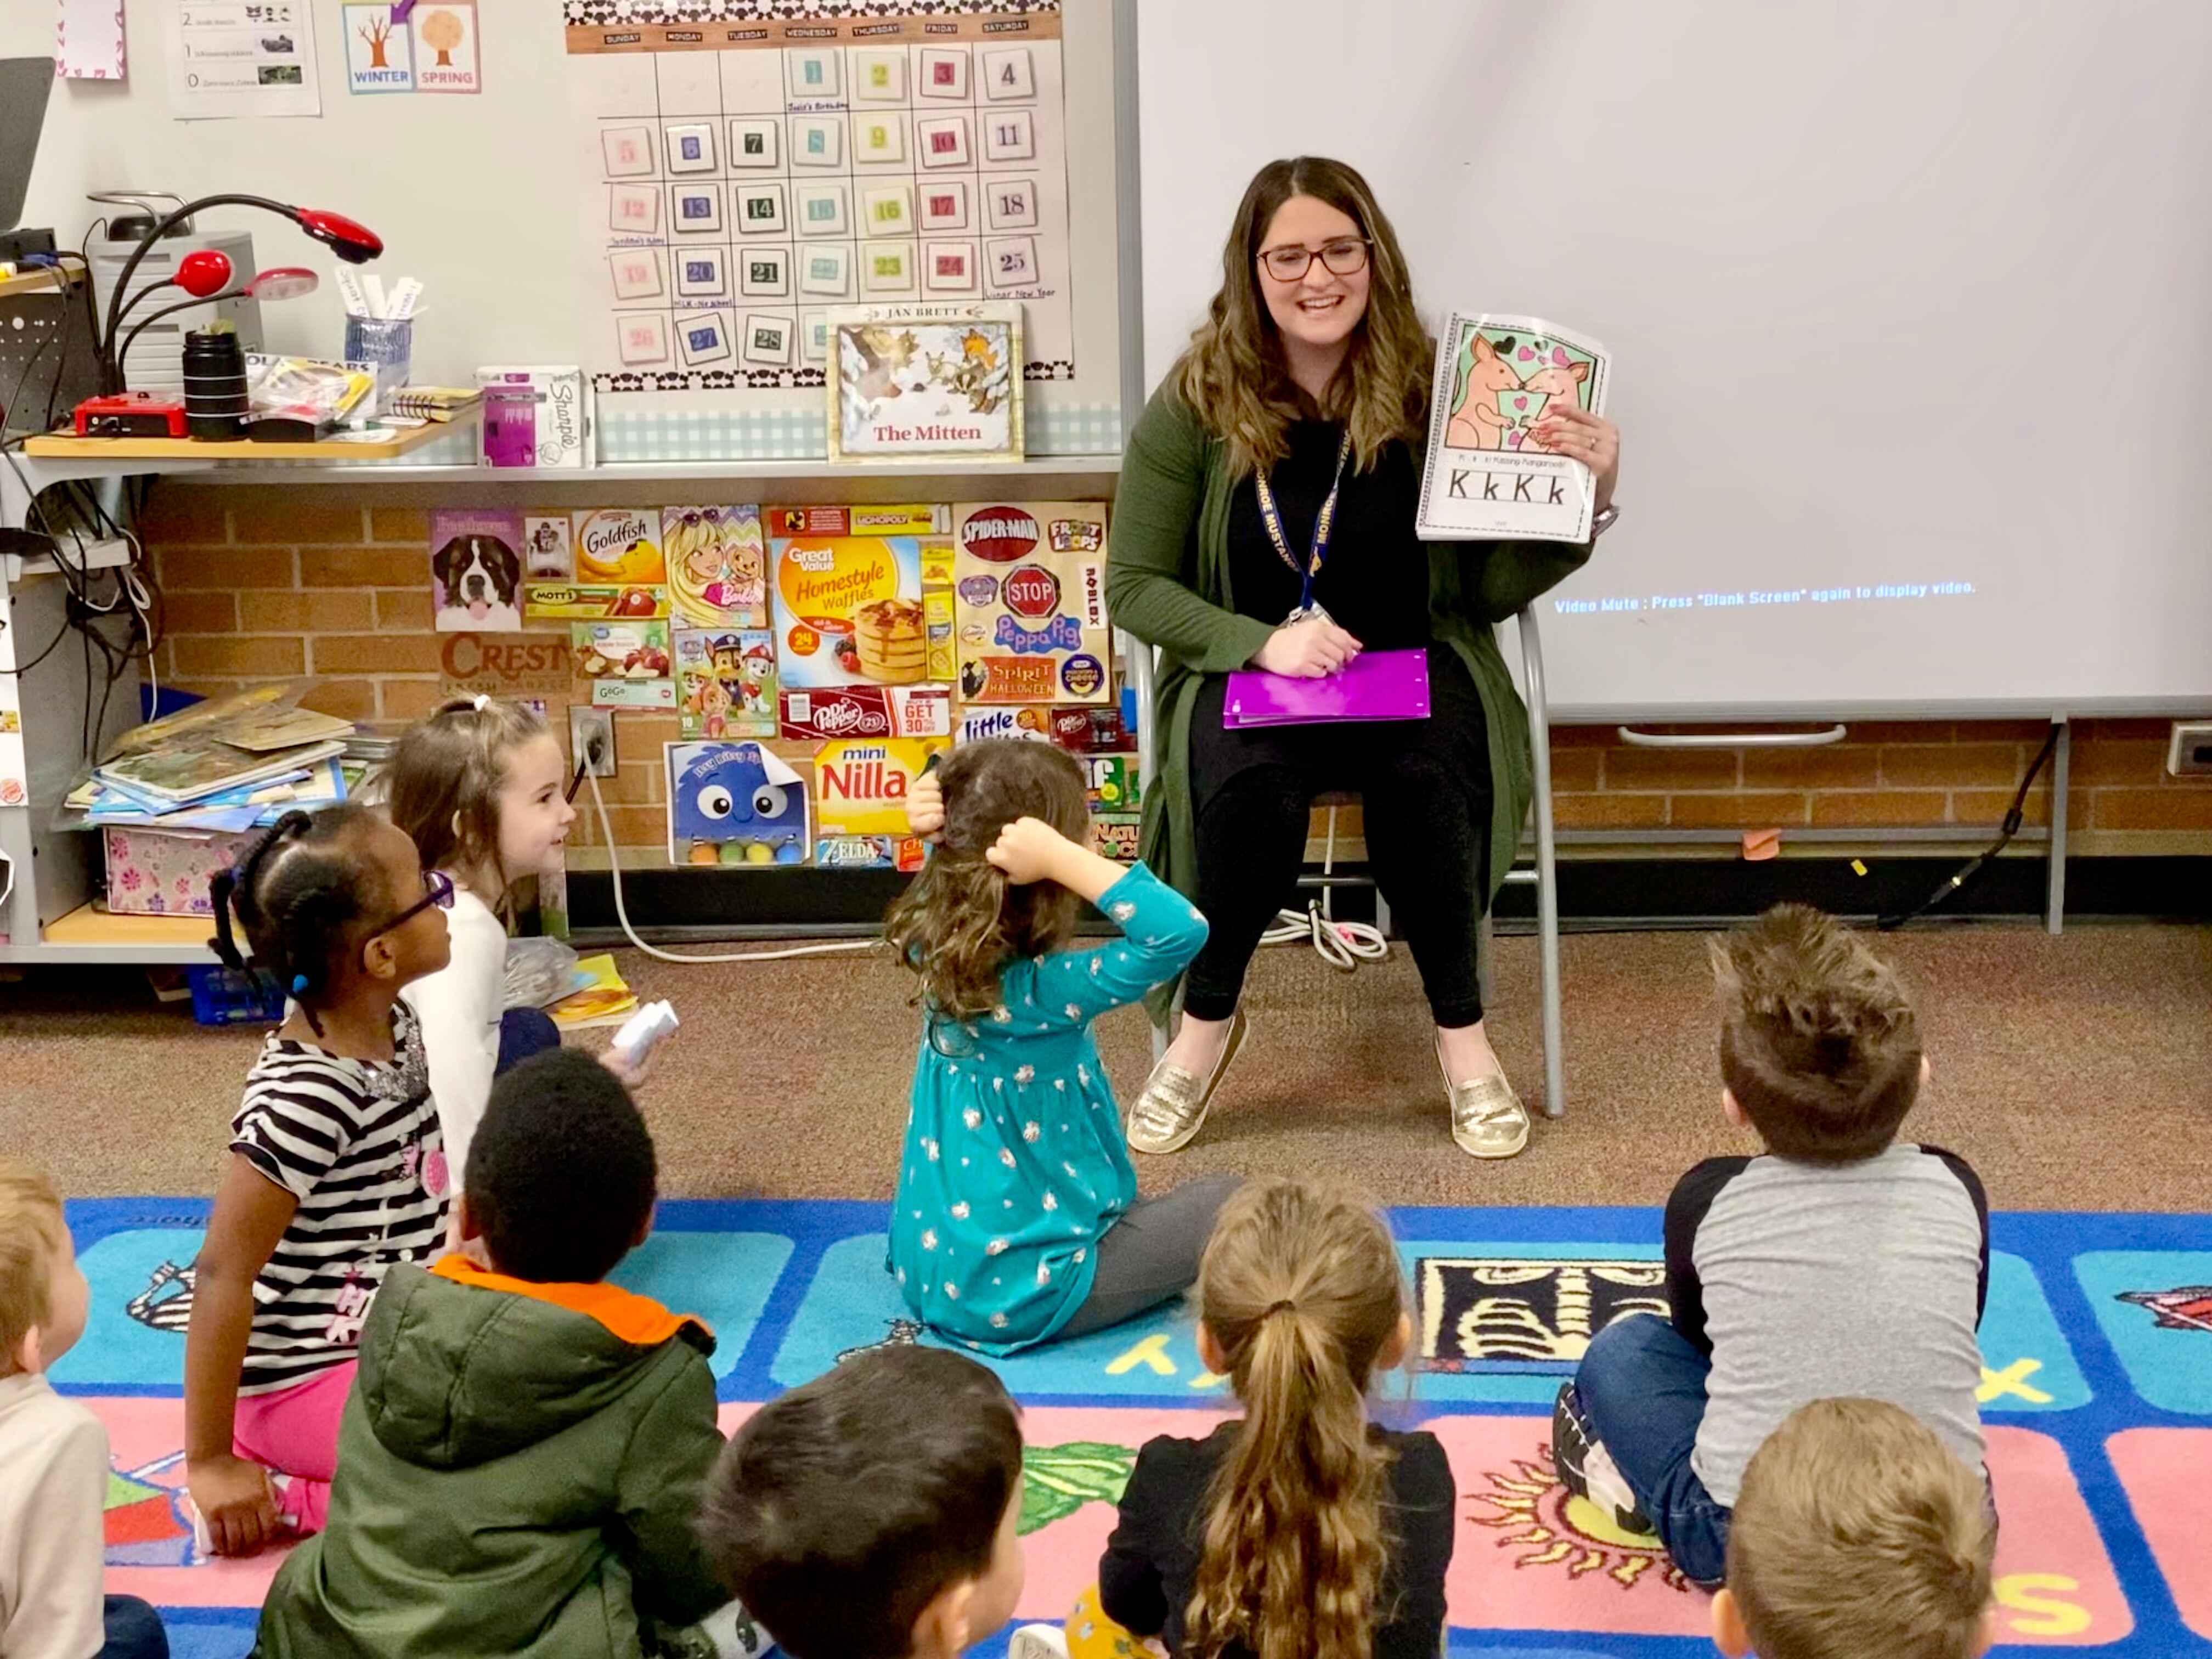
[750,174]
[498,196]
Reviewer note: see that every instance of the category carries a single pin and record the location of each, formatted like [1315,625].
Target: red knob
[204,273]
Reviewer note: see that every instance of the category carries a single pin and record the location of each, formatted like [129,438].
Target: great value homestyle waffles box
[848,611]
[1030,602]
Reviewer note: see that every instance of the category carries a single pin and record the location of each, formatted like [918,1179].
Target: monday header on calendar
[1487,474]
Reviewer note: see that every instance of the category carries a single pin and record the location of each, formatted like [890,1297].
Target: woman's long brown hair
[1302,1290]
[960,921]
[1233,374]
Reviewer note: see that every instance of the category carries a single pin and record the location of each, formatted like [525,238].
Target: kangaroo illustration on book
[1476,423]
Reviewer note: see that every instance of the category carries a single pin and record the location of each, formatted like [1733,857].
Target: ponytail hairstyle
[299,891]
[1301,1289]
[960,921]
[444,777]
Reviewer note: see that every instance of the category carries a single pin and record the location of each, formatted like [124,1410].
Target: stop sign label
[1032,590]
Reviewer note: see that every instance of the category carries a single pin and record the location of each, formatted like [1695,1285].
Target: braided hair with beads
[297,892]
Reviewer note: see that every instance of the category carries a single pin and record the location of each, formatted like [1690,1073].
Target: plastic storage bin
[223,996]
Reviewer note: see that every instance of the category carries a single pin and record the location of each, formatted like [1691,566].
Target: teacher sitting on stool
[1265,520]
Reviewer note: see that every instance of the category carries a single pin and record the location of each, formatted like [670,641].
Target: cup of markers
[380,325]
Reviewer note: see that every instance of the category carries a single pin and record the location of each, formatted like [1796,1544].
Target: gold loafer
[1487,1118]
[1172,1107]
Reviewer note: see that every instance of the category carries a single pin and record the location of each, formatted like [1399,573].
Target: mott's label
[620,545]
[861,787]
[582,601]
[905,519]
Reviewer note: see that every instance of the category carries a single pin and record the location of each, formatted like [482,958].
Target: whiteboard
[1910,310]
[477,195]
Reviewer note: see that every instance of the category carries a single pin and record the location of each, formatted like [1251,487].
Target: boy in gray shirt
[1841,1262]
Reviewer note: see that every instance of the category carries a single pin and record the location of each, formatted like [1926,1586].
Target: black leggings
[1426,794]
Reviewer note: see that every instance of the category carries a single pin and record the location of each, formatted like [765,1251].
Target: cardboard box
[165,873]
[848,611]
[1029,591]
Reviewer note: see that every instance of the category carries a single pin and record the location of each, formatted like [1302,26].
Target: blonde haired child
[1300,1530]
[1857,1532]
[479,787]
[53,1452]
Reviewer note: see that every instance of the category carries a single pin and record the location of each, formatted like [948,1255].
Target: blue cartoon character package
[734,804]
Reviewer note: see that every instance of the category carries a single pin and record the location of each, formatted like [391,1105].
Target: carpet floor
[2096,1401]
[2074,1072]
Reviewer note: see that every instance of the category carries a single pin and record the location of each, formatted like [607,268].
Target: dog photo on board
[475,571]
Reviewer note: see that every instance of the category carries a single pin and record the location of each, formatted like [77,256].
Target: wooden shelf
[58,446]
[89,936]
[37,282]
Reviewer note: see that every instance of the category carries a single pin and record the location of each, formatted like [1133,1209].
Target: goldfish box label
[620,545]
[1030,602]
[861,787]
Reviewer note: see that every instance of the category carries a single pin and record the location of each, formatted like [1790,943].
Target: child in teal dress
[1016,1218]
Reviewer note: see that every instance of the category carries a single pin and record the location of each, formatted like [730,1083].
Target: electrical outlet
[585,725]
[2190,754]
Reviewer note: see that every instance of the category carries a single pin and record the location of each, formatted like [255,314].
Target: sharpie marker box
[535,416]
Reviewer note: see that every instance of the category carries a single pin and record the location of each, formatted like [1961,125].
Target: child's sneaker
[1037,1642]
[1586,1469]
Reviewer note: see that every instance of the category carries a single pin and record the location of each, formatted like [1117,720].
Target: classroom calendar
[747,164]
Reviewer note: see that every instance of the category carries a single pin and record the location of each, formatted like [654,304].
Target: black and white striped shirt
[356,1142]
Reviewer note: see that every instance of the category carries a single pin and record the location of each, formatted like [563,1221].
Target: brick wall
[262,583]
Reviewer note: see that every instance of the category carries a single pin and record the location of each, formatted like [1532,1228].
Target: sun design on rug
[1556,1528]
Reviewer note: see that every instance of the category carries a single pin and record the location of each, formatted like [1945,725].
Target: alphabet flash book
[1486,474]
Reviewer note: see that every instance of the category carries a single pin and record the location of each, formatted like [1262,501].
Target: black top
[1150,1564]
[1375,583]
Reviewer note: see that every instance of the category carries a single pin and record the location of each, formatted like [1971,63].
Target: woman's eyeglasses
[1344,257]
[437,890]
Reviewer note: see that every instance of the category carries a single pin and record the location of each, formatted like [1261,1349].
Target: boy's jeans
[1641,1387]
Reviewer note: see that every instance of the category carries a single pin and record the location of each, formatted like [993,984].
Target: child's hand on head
[1029,850]
[924,807]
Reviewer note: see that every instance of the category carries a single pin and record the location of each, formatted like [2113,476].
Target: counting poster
[749,165]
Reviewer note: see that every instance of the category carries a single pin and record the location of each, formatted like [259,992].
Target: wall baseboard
[679,903]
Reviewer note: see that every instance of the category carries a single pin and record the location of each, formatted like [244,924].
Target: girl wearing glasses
[1265,520]
[336,1168]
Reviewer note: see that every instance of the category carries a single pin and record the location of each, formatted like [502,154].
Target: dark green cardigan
[1167,582]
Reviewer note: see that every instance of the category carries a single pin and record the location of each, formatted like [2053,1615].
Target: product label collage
[815,657]
[742,178]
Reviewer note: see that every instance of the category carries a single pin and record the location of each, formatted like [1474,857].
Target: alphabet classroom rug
[2097,1398]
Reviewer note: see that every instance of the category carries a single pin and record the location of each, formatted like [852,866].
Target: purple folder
[1379,685]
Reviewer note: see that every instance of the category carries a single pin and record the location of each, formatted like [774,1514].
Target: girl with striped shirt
[336,1168]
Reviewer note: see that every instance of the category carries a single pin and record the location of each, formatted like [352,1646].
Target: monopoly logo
[1000,535]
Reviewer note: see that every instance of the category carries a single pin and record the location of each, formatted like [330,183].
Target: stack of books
[227,765]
